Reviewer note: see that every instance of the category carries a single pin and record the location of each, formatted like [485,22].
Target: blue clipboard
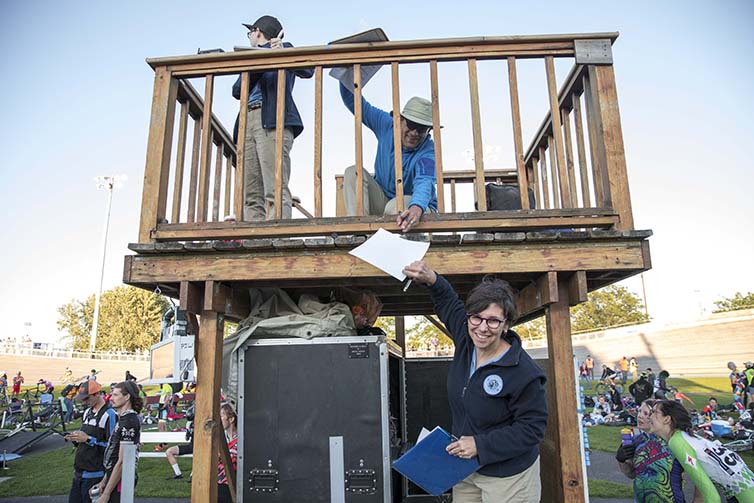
[429,466]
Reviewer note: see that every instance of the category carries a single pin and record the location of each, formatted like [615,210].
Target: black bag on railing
[505,197]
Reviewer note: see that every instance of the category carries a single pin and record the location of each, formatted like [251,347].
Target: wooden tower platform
[580,236]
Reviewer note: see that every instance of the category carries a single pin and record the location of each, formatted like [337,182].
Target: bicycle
[742,444]
[604,385]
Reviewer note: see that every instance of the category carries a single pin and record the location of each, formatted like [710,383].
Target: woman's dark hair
[492,291]
[680,418]
[130,389]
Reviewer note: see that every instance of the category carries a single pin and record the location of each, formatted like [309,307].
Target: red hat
[88,388]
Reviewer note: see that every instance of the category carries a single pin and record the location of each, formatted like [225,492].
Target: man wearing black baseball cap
[261,121]
[90,441]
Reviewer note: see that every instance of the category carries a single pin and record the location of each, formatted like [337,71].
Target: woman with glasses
[709,464]
[495,389]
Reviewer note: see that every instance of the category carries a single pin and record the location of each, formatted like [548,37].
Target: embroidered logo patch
[690,461]
[493,384]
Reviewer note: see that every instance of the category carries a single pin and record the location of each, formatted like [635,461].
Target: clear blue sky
[75,92]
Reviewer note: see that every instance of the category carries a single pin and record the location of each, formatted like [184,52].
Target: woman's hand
[420,272]
[464,448]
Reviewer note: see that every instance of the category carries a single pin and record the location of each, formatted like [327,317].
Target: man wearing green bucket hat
[418,155]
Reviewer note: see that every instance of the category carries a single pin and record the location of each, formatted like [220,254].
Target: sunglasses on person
[419,128]
[492,323]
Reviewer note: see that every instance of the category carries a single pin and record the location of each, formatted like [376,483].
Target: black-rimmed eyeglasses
[476,320]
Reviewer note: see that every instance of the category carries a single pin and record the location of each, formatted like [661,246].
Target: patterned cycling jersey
[658,475]
[709,462]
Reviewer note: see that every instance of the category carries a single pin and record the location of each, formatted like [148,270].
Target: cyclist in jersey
[657,475]
[708,463]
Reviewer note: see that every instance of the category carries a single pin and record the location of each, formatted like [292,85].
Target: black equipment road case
[315,423]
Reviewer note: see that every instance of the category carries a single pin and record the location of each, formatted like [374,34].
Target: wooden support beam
[227,462]
[400,333]
[318,141]
[191,297]
[561,450]
[358,136]
[337,263]
[577,288]
[156,173]
[480,196]
[523,182]
[205,160]
[437,136]
[610,138]
[540,293]
[438,325]
[209,345]
[397,141]
[179,163]
[238,190]
[232,303]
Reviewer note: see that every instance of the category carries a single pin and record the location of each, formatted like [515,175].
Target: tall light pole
[108,183]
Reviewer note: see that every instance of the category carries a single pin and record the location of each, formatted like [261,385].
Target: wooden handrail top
[469,176]
[449,49]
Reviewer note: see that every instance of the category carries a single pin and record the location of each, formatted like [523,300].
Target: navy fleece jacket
[502,405]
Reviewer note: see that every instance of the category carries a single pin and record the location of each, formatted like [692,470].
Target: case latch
[362,481]
[264,481]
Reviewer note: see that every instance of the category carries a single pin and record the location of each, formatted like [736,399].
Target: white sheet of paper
[390,252]
[422,434]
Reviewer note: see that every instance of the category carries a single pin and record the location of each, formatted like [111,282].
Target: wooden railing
[577,192]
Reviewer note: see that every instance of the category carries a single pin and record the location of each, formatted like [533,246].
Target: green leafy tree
[608,307]
[387,324]
[738,301]
[129,319]
[534,330]
[422,333]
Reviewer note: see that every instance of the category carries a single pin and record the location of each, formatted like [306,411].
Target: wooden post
[437,135]
[563,478]
[179,162]
[194,175]
[318,141]
[557,132]
[279,130]
[359,152]
[583,173]
[205,160]
[156,172]
[209,345]
[397,143]
[400,333]
[523,182]
[238,191]
[610,141]
[476,126]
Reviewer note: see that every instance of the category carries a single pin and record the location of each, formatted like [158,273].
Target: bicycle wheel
[600,388]
[619,388]
[739,445]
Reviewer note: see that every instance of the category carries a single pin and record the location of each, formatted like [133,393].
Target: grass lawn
[606,489]
[29,470]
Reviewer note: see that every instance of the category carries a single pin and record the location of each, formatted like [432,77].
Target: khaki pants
[524,487]
[259,169]
[375,200]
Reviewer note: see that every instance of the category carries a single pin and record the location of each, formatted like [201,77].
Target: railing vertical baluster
[556,201]
[279,130]
[453,195]
[569,157]
[218,180]
[518,142]
[583,173]
[545,181]
[436,134]
[180,160]
[610,137]
[596,158]
[227,210]
[206,149]
[194,175]
[476,126]
[397,145]
[318,141]
[359,155]
[157,169]
[238,189]
[534,167]
[565,194]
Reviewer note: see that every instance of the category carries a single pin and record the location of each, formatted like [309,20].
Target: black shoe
[172,477]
